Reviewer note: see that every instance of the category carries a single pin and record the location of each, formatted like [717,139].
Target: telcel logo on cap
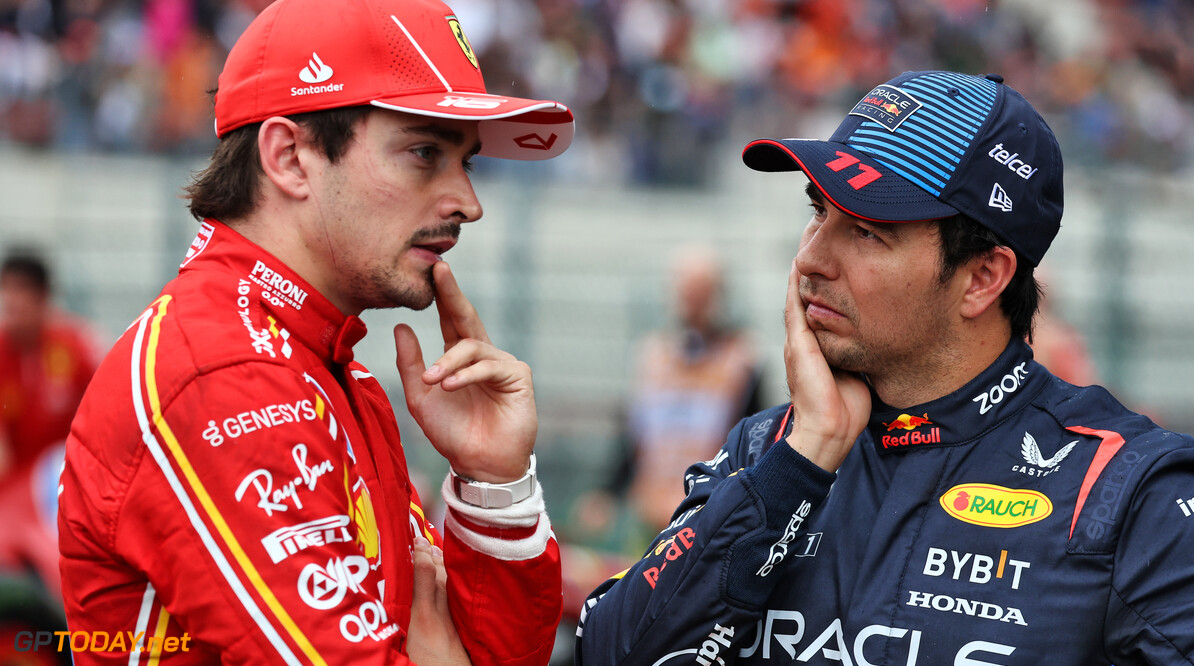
[887,105]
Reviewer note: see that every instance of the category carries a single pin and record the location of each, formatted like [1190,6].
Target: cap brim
[852,181]
[510,127]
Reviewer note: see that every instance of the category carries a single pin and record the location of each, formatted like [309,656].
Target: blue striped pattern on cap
[927,147]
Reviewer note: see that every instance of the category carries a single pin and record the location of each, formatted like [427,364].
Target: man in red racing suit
[235,487]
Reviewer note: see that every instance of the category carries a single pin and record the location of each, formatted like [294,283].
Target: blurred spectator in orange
[46,360]
[1061,348]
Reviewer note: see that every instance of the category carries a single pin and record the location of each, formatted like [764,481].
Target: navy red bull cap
[930,145]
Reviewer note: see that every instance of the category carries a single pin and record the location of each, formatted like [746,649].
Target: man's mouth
[819,309]
[436,240]
[438,247]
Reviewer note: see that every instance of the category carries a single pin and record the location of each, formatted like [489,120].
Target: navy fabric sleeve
[1150,618]
[707,573]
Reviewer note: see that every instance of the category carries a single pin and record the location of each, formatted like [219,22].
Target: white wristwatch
[494,495]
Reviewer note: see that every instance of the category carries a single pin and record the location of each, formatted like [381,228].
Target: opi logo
[315,71]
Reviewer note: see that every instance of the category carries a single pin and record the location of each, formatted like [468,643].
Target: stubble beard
[847,355]
[388,288]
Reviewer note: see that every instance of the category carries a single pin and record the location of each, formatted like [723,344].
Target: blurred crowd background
[655,84]
[105,110]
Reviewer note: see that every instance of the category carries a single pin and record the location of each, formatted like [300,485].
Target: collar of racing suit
[294,307]
[1004,388]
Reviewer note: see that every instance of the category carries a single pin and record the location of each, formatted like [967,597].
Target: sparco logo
[779,549]
[1006,386]
[1107,497]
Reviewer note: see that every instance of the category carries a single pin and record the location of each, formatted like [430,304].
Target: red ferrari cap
[406,55]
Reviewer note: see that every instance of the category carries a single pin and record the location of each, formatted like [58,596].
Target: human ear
[281,144]
[986,278]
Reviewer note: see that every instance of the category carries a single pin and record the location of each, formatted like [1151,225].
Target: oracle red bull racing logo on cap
[913,436]
[990,505]
[887,105]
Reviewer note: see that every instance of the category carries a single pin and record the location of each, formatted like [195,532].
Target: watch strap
[494,495]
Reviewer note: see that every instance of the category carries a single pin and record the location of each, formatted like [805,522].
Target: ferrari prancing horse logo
[463,41]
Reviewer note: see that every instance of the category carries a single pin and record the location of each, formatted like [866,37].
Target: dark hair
[963,239]
[228,189]
[29,266]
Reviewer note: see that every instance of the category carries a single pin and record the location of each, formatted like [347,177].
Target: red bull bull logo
[908,422]
[891,108]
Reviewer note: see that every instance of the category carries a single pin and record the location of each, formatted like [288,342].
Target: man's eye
[468,166]
[426,152]
[866,234]
[818,209]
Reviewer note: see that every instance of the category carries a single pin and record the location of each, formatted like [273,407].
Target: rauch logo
[995,506]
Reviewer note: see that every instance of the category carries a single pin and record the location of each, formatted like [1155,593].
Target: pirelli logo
[287,541]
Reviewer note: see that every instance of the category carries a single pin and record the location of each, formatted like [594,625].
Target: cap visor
[854,182]
[510,127]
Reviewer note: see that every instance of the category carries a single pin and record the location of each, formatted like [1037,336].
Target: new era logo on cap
[999,199]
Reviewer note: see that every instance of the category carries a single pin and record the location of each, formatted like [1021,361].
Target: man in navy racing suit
[931,495]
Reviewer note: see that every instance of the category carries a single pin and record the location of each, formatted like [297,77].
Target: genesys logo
[990,505]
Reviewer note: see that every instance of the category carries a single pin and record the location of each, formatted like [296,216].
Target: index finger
[458,318]
[802,353]
[794,319]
